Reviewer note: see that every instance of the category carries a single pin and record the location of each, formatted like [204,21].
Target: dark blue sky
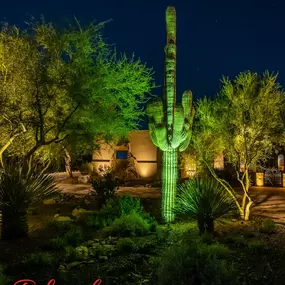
[214,38]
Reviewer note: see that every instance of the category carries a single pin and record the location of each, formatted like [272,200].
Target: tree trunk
[169,180]
[247,210]
[14,224]
[67,159]
[206,225]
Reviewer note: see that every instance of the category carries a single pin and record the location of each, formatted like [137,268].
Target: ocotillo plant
[170,125]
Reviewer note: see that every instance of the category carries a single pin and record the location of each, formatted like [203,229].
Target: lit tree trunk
[169,179]
[249,201]
[9,142]
[67,159]
[246,200]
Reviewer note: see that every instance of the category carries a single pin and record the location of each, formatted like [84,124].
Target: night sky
[214,38]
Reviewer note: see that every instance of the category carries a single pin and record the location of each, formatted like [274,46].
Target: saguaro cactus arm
[170,126]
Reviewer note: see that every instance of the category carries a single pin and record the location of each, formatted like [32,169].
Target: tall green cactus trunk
[170,125]
[169,179]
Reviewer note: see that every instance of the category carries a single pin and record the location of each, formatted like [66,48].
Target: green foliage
[105,187]
[58,228]
[39,259]
[86,168]
[65,85]
[73,236]
[130,225]
[195,264]
[125,245]
[205,200]
[4,280]
[58,243]
[81,252]
[256,246]
[102,218]
[20,190]
[129,204]
[268,227]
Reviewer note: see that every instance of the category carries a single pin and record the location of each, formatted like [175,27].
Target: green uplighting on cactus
[170,125]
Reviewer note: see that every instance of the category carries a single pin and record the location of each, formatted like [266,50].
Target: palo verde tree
[245,123]
[170,125]
[70,85]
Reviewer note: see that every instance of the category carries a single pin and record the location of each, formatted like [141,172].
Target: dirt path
[269,201]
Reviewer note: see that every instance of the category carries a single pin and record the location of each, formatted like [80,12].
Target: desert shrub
[58,228]
[207,238]
[196,264]
[58,243]
[125,245]
[102,218]
[268,227]
[130,225]
[205,200]
[74,236]
[215,249]
[4,280]
[146,244]
[150,220]
[256,246]
[93,219]
[129,204]
[81,252]
[111,209]
[70,252]
[105,187]
[39,259]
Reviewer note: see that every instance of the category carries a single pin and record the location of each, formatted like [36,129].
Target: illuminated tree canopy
[245,123]
[65,86]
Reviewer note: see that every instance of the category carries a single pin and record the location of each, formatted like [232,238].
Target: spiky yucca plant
[205,200]
[20,190]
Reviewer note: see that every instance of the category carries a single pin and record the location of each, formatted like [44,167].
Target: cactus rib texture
[170,124]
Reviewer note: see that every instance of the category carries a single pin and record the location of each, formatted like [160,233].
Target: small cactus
[170,124]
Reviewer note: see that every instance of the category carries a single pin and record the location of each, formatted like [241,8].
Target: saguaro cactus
[170,124]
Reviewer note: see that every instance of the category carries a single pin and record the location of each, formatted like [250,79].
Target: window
[122,154]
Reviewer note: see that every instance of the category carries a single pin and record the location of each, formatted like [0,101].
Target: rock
[59,218]
[74,264]
[84,179]
[49,202]
[78,211]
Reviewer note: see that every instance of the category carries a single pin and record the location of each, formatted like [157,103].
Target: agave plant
[205,200]
[20,190]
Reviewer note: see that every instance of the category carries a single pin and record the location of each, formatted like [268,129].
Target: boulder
[59,218]
[78,211]
[84,179]
[49,202]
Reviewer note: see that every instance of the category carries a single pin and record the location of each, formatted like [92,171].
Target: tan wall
[145,153]
[103,156]
[142,149]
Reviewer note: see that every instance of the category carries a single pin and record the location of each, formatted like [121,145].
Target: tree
[170,125]
[244,122]
[72,86]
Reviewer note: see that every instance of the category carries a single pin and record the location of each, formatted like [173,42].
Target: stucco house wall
[146,154]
